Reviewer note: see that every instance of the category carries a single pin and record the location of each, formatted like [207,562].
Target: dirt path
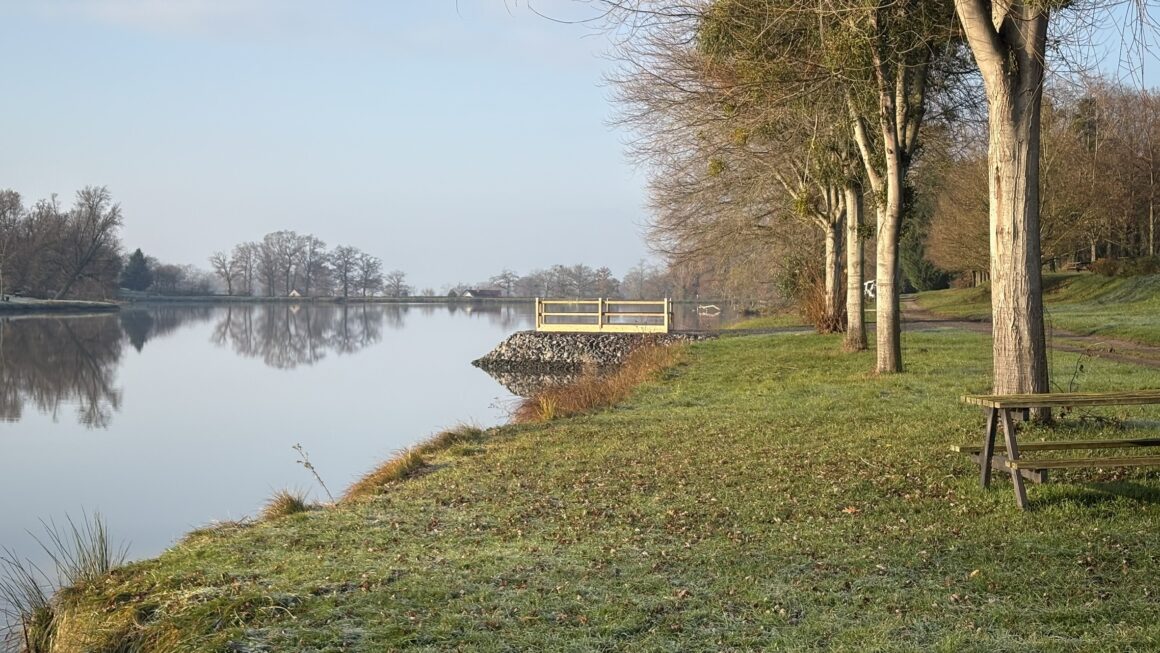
[1122,351]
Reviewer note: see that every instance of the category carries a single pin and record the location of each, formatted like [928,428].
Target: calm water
[168,418]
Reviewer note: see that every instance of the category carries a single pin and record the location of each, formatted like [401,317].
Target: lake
[169,417]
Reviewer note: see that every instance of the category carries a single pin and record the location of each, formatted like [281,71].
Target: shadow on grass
[1093,494]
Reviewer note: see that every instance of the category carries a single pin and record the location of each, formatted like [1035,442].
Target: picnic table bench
[1000,408]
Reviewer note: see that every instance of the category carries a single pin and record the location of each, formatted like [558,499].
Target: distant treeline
[642,281]
[286,262]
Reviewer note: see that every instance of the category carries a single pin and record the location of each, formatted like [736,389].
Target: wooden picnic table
[1000,408]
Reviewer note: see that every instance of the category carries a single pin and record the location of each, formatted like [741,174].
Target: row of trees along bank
[777,122]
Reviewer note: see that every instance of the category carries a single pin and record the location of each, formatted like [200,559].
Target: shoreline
[55,306]
[239,299]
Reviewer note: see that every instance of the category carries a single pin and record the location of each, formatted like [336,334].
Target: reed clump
[596,389]
[285,503]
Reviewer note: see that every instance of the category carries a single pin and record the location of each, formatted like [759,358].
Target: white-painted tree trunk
[888,322]
[855,324]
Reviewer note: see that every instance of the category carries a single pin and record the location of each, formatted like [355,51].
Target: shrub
[1141,266]
[1126,267]
[1108,267]
[812,306]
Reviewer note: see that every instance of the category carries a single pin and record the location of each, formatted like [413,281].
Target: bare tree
[505,280]
[11,213]
[269,265]
[245,260]
[604,284]
[89,246]
[395,284]
[345,260]
[859,72]
[369,271]
[314,263]
[225,268]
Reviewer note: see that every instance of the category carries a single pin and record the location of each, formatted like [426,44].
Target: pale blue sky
[450,139]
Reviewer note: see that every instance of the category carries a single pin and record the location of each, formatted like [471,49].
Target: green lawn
[780,320]
[768,494]
[1087,304]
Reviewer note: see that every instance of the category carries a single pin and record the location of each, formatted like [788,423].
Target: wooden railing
[604,315]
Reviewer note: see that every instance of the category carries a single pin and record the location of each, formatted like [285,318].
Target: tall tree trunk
[67,287]
[888,327]
[1151,224]
[1008,41]
[833,275]
[1020,349]
[855,324]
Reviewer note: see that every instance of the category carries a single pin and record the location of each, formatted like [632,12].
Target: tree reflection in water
[143,324]
[52,361]
[287,336]
[59,360]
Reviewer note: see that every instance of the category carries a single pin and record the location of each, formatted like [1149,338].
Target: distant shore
[22,305]
[141,298]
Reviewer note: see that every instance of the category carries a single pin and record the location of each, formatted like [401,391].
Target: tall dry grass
[411,461]
[403,466]
[595,390]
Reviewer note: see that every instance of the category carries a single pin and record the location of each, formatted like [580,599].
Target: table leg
[988,447]
[1013,454]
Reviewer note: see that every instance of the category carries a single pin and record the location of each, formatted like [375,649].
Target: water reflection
[142,324]
[52,362]
[525,383]
[47,362]
[287,336]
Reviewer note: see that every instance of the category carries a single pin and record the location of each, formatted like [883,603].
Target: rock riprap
[530,350]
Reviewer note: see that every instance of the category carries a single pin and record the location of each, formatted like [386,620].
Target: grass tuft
[595,390]
[461,434]
[285,503]
[81,554]
[25,605]
[399,468]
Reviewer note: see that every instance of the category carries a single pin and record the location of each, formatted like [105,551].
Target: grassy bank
[765,494]
[1087,304]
